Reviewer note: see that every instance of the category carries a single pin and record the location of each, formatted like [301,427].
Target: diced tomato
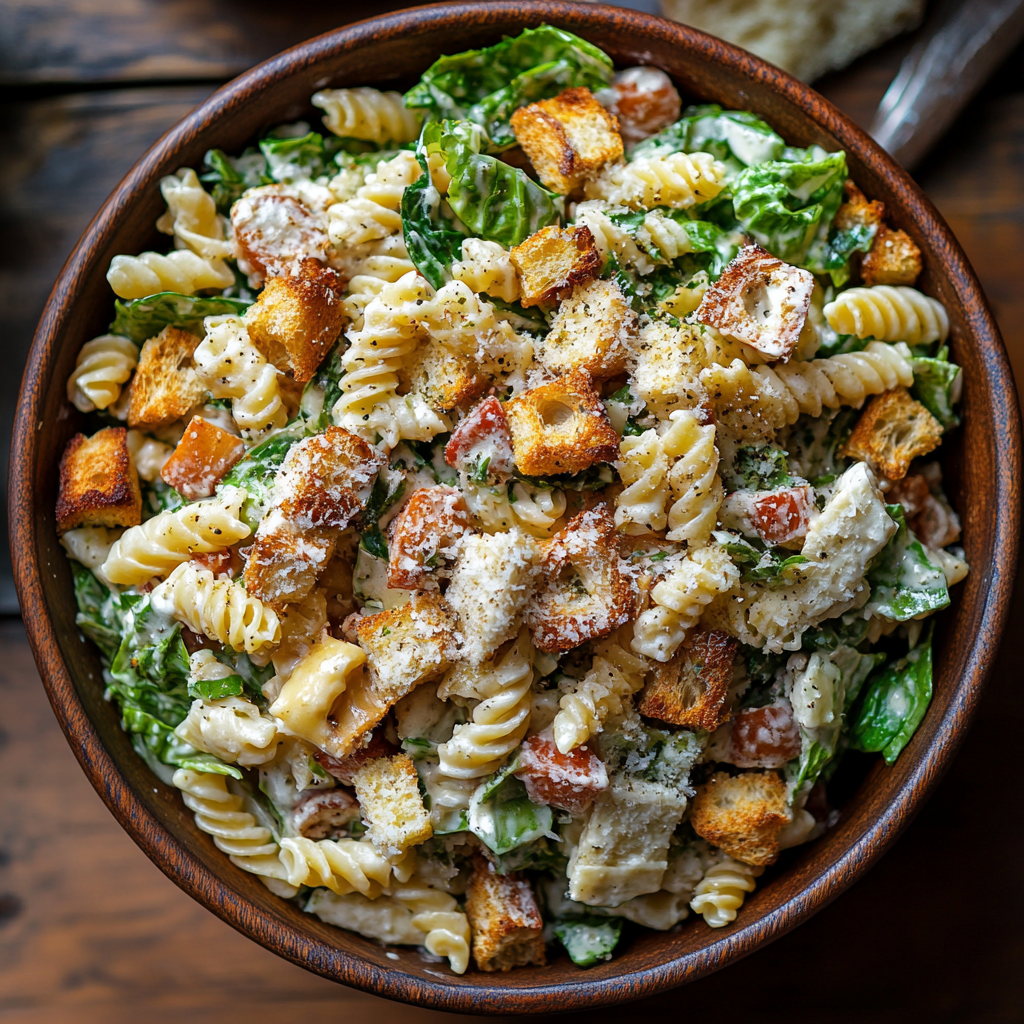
[345,769]
[224,562]
[567,781]
[645,101]
[783,515]
[424,534]
[765,737]
[481,443]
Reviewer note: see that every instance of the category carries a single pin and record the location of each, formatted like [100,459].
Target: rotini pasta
[375,212]
[170,538]
[486,268]
[148,454]
[888,313]
[181,271]
[643,468]
[720,893]
[341,865]
[537,511]
[384,262]
[436,914]
[368,114]
[103,366]
[693,479]
[678,180]
[192,216]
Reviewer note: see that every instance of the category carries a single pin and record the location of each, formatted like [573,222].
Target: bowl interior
[393,51]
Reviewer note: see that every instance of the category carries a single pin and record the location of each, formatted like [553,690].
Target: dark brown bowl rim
[212,891]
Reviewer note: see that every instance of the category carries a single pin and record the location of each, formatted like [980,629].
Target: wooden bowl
[396,48]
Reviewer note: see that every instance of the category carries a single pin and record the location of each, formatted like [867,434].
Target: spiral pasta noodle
[148,454]
[385,263]
[231,366]
[720,893]
[217,608]
[535,511]
[375,211]
[693,479]
[888,313]
[614,677]
[486,268]
[181,271]
[437,914]
[643,468]
[367,114]
[103,366]
[192,216]
[162,543]
[499,721]
[678,180]
[221,814]
[341,865]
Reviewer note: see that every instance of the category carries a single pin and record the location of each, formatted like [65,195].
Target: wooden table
[91,931]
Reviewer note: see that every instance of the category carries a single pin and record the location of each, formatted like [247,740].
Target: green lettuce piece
[141,319]
[760,563]
[256,474]
[486,86]
[589,940]
[99,611]
[229,176]
[725,134]
[214,689]
[296,155]
[323,390]
[814,444]
[936,386]
[895,701]
[787,207]
[502,815]
[904,584]
[759,467]
[841,245]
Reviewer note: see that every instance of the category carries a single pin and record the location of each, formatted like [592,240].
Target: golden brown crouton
[444,378]
[760,301]
[567,138]
[298,317]
[856,211]
[591,331]
[286,558]
[98,484]
[389,795]
[407,646]
[893,259]
[507,926]
[690,690]
[584,594]
[561,427]
[204,454]
[165,386]
[425,535]
[893,431]
[553,261]
[742,815]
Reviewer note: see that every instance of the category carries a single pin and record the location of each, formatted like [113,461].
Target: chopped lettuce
[323,390]
[895,701]
[99,611]
[759,467]
[760,563]
[229,176]
[141,319]
[502,815]
[937,386]
[814,444]
[256,474]
[294,153]
[486,86]
[589,940]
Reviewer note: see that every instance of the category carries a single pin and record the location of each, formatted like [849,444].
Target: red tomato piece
[424,535]
[219,562]
[566,781]
[482,435]
[645,101]
[783,515]
[765,737]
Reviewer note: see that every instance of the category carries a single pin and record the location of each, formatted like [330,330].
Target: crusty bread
[424,536]
[893,431]
[204,454]
[805,37]
[165,386]
[98,483]
[507,926]
[553,261]
[444,378]
[389,796]
[286,559]
[894,258]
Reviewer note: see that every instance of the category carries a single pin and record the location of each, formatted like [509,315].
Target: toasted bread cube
[665,364]
[204,454]
[893,431]
[481,443]
[507,926]
[765,737]
[493,579]
[857,211]
[893,259]
[425,536]
[584,593]
[568,138]
[375,745]
[444,378]
[591,331]
[98,484]
[388,790]
[326,480]
[553,262]
[569,781]
[409,645]
[298,317]
[165,386]
[561,427]
[690,689]
[759,300]
[742,815]
[286,559]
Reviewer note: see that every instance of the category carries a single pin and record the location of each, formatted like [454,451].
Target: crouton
[567,138]
[286,558]
[690,689]
[444,378]
[590,332]
[760,301]
[481,443]
[584,593]
[568,781]
[665,363]
[326,480]
[893,431]
[297,318]
[553,262]
[507,926]
[204,454]
[424,536]
[856,211]
[892,259]
[165,386]
[765,737]
[389,794]
[375,745]
[493,579]
[561,427]
[98,484]
[407,646]
[742,815]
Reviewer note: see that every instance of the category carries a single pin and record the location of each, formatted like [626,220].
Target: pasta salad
[506,507]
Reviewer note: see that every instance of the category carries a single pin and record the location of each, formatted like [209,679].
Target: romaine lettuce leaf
[230,176]
[759,467]
[99,611]
[256,473]
[323,390]
[760,563]
[724,134]
[936,386]
[141,319]
[502,815]
[589,940]
[294,153]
